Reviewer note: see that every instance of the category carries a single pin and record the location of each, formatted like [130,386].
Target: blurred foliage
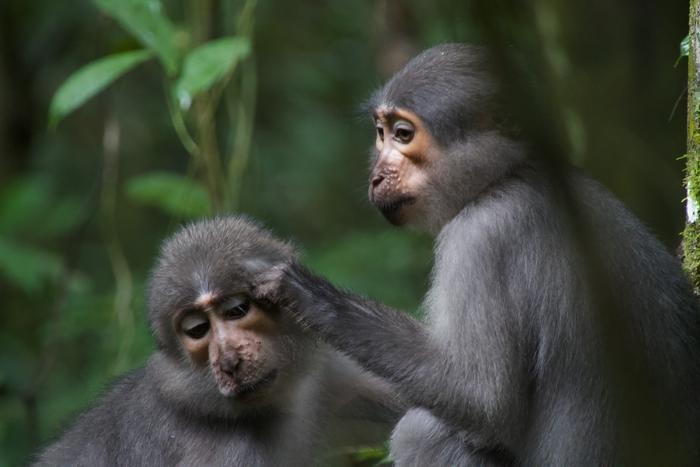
[175,194]
[252,106]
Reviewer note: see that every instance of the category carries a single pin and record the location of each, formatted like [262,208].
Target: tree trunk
[691,235]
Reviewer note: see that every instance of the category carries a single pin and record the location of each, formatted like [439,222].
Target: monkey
[231,382]
[557,330]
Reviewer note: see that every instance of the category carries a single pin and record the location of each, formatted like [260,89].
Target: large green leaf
[147,22]
[91,79]
[25,266]
[172,193]
[207,64]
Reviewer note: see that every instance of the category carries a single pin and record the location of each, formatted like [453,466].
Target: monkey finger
[267,286]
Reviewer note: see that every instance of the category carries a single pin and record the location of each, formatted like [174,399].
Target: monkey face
[404,153]
[242,345]
[219,344]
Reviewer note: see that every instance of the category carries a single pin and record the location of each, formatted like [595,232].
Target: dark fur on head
[219,252]
[447,86]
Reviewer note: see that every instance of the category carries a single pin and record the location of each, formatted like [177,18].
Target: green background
[76,248]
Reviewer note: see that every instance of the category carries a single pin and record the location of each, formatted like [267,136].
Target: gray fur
[170,412]
[558,331]
[447,86]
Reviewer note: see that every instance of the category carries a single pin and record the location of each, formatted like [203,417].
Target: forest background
[265,120]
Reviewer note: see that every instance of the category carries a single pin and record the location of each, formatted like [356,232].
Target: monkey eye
[195,325]
[235,307]
[403,132]
[380,133]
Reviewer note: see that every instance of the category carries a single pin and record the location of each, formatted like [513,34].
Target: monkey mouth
[229,388]
[391,209]
[250,388]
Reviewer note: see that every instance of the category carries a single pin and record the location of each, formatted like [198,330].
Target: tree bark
[691,234]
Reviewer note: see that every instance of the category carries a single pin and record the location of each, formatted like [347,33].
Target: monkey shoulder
[95,437]
[514,226]
[136,423]
[512,252]
[522,203]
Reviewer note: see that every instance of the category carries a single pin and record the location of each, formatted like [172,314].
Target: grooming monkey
[558,330]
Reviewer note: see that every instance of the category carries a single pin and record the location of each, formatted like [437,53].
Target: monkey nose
[377,180]
[229,365]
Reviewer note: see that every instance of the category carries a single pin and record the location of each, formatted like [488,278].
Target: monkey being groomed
[231,383]
[558,330]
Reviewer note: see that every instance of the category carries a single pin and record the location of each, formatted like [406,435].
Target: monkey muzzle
[391,208]
[232,383]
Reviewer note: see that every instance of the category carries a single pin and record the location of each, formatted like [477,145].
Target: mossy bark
[691,234]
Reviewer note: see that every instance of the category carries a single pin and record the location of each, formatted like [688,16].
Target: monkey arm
[458,381]
[365,408]
[363,395]
[357,326]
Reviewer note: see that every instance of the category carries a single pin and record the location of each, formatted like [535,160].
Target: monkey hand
[267,287]
[293,289]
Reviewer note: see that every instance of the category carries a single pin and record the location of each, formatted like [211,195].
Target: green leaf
[685,46]
[26,266]
[207,64]
[172,193]
[91,79]
[147,22]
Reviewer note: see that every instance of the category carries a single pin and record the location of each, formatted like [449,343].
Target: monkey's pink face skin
[404,151]
[236,339]
[240,364]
